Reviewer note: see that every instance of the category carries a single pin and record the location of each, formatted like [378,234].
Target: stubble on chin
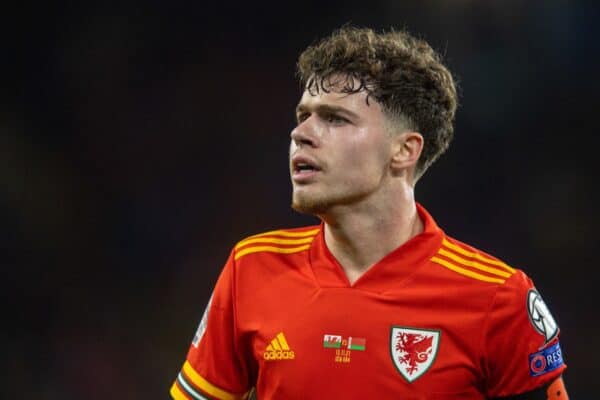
[308,204]
[319,204]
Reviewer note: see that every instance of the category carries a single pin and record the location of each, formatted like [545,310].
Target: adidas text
[279,355]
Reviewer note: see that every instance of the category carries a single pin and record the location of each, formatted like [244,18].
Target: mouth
[303,169]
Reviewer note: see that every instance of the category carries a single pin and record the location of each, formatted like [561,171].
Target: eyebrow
[326,109]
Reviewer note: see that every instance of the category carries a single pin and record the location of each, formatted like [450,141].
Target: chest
[340,342]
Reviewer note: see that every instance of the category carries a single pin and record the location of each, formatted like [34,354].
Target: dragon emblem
[413,350]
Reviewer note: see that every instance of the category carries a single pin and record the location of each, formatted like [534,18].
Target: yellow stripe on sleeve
[271,249]
[176,393]
[474,264]
[284,233]
[466,272]
[206,386]
[273,240]
[467,253]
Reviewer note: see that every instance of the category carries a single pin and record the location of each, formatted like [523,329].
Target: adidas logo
[279,349]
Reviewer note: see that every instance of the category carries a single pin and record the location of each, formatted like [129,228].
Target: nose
[305,133]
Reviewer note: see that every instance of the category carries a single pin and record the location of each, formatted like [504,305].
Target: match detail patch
[540,316]
[545,360]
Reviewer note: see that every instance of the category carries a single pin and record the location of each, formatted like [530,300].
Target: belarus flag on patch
[355,343]
[332,341]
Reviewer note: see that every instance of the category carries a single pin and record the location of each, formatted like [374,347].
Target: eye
[301,117]
[335,119]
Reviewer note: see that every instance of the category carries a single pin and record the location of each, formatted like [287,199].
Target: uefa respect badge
[546,360]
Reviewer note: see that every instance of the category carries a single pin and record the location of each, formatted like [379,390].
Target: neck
[358,237]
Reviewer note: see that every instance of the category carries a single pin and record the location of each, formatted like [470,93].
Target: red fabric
[485,334]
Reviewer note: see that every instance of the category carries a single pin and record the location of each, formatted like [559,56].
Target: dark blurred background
[140,141]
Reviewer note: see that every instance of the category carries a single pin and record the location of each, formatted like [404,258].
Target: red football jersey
[434,319]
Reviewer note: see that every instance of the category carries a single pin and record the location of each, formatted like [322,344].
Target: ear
[406,150]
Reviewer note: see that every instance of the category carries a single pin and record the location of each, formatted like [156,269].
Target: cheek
[368,153]
[368,167]
[357,167]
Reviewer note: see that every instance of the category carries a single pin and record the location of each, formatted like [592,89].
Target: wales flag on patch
[355,343]
[332,341]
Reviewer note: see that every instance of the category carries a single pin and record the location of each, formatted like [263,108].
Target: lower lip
[304,176]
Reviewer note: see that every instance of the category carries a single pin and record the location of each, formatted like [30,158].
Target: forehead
[352,102]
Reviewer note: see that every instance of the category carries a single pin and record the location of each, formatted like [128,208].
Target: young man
[376,302]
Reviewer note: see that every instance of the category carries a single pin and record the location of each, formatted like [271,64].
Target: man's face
[339,152]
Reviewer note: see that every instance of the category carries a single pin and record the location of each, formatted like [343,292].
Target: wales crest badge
[413,350]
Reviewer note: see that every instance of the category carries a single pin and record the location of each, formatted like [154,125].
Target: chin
[309,205]
[307,208]
[306,203]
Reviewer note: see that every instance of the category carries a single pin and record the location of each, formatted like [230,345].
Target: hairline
[395,121]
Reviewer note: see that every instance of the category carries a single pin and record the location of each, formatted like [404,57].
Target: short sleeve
[521,346]
[214,367]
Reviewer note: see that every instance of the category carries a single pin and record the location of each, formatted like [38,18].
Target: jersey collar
[394,267]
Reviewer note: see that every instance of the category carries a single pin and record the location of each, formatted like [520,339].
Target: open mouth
[301,167]
[304,168]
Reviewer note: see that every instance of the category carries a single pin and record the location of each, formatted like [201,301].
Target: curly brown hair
[401,72]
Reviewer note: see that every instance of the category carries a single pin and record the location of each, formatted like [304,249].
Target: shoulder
[276,242]
[511,291]
[472,263]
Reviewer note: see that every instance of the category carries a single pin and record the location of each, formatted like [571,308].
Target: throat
[355,261]
[353,274]
[358,250]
